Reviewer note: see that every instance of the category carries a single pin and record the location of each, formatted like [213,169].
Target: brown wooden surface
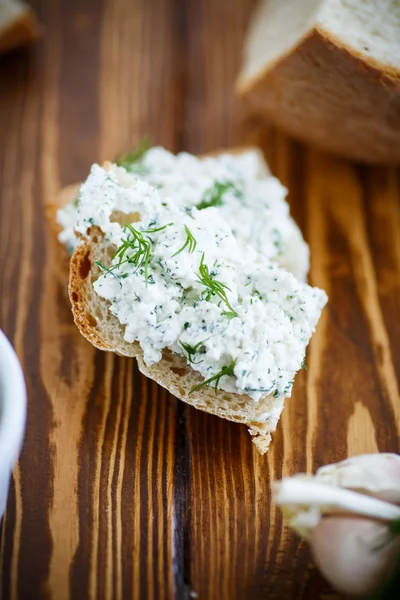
[122,491]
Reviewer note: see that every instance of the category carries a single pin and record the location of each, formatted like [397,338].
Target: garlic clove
[343,512]
[355,555]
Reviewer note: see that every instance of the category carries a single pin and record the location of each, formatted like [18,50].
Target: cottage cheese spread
[181,280]
[250,200]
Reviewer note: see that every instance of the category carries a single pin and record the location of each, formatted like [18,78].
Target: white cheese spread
[181,280]
[250,200]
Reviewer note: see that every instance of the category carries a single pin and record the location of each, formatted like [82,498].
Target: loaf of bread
[18,25]
[328,73]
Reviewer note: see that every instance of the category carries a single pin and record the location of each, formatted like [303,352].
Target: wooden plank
[121,491]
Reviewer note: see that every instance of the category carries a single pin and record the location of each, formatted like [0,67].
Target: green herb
[158,228]
[394,527]
[141,248]
[78,198]
[190,242]
[110,271]
[213,196]
[277,240]
[288,387]
[140,258]
[214,288]
[227,370]
[229,315]
[131,160]
[390,589]
[191,351]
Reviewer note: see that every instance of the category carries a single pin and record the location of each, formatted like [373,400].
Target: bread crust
[327,94]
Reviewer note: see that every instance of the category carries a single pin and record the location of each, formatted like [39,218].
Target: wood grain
[121,491]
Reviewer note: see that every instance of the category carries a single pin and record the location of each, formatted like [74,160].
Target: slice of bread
[104,331]
[18,25]
[328,73]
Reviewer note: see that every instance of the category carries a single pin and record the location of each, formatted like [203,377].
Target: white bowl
[12,415]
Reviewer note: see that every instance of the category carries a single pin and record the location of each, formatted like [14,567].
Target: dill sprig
[227,370]
[214,288]
[131,160]
[141,248]
[191,351]
[157,229]
[140,258]
[110,270]
[190,243]
[213,196]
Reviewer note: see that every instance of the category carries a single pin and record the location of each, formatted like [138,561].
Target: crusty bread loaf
[328,73]
[103,330]
[18,25]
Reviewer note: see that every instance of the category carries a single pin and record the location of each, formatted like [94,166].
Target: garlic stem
[294,491]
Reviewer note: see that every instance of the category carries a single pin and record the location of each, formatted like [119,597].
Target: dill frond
[214,195]
[215,379]
[214,288]
[190,243]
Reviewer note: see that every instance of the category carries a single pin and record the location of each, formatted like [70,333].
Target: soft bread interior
[276,27]
[103,330]
[370,28]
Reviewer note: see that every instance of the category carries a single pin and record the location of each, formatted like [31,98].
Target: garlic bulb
[344,512]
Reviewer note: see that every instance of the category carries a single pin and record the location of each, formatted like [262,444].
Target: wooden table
[121,490]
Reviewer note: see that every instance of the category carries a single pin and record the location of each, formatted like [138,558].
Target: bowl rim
[14,403]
